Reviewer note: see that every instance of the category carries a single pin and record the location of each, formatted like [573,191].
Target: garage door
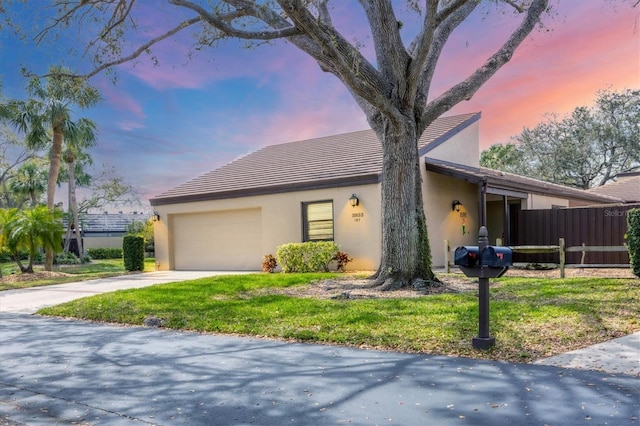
[229,240]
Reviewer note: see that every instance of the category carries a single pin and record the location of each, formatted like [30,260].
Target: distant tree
[586,148]
[48,111]
[35,228]
[80,161]
[82,137]
[13,154]
[108,188]
[502,157]
[31,180]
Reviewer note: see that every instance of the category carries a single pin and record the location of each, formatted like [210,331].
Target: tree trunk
[406,255]
[54,169]
[73,203]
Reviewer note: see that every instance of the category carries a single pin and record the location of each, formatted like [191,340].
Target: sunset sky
[161,126]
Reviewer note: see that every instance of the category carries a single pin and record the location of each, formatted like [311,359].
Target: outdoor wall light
[455,205]
[156,217]
[354,200]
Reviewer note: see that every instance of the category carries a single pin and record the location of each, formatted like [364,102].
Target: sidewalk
[57,371]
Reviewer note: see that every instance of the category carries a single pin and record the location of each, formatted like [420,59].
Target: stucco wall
[461,148]
[356,229]
[535,201]
[443,223]
[90,242]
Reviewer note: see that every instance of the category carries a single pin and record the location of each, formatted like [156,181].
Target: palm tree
[48,111]
[7,217]
[36,228]
[83,136]
[29,180]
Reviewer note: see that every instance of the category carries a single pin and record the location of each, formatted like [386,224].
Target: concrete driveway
[29,300]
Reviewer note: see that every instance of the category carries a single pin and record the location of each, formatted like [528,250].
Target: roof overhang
[268,190]
[511,185]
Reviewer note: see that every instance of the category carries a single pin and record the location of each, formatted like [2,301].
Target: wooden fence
[584,227]
[560,250]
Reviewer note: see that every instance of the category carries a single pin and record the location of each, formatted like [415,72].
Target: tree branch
[334,54]
[391,54]
[467,88]
[220,21]
[439,39]
[143,48]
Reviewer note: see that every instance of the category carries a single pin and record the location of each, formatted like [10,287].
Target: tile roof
[331,161]
[503,181]
[627,188]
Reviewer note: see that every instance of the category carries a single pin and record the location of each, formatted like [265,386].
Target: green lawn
[530,317]
[70,273]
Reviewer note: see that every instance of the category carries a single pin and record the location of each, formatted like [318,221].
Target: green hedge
[105,253]
[312,256]
[133,252]
[633,240]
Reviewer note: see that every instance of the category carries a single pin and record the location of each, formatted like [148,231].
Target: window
[317,221]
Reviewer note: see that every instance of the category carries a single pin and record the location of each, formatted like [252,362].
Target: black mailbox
[496,257]
[468,256]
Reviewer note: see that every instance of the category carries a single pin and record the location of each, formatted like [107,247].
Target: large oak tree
[392,88]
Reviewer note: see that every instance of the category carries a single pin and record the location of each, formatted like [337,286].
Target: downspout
[482,196]
[506,217]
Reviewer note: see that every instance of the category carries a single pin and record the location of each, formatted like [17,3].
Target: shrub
[269,263]
[66,259]
[342,259]
[133,252]
[312,256]
[633,240]
[105,253]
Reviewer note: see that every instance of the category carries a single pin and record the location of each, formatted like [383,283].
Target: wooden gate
[590,226]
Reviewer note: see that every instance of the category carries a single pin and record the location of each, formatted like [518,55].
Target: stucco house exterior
[229,218]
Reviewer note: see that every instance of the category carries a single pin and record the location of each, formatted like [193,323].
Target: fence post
[562,256]
[446,257]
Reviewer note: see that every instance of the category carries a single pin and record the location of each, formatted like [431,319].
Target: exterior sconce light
[156,217]
[354,200]
[455,205]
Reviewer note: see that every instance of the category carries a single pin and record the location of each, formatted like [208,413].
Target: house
[626,187]
[104,230]
[229,218]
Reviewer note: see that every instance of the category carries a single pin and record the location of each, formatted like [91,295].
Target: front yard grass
[530,317]
[68,273]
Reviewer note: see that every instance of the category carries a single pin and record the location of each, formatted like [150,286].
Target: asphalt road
[61,372]
[56,371]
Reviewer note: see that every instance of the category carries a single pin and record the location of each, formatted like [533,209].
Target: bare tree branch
[144,47]
[220,22]
[467,88]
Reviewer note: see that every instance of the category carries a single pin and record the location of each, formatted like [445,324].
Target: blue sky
[162,125]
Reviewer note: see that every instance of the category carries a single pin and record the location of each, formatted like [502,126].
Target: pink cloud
[559,71]
[119,100]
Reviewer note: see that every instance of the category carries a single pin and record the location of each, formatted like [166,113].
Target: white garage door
[229,240]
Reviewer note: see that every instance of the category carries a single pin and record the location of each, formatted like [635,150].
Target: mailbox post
[484,262]
[484,339]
